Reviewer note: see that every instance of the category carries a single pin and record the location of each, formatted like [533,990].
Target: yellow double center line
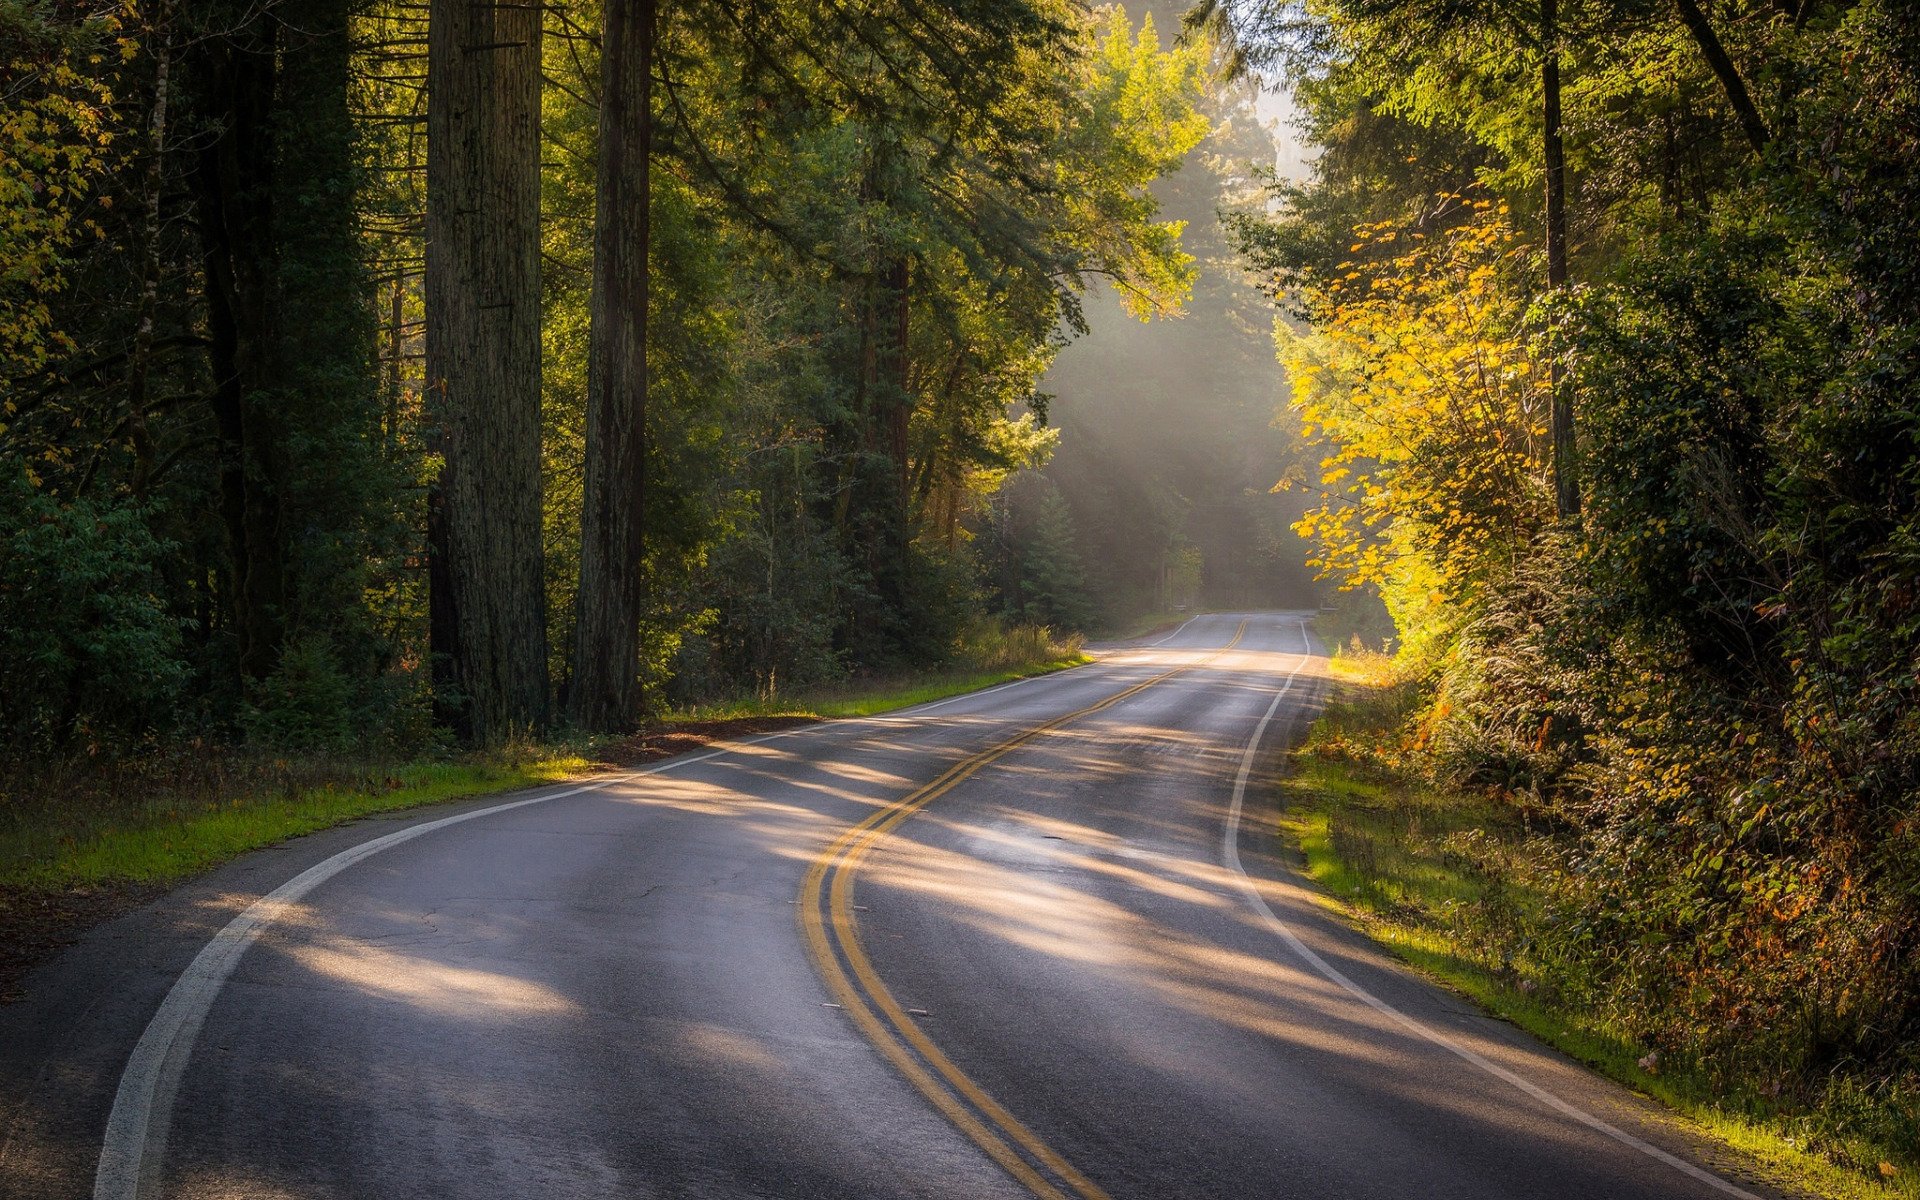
[833,939]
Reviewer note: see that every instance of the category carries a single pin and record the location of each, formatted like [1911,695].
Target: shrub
[306,704]
[87,647]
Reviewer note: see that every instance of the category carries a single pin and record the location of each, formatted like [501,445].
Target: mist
[1169,446]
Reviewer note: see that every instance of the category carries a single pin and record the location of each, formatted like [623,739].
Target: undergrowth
[171,814]
[164,815]
[1481,890]
[991,654]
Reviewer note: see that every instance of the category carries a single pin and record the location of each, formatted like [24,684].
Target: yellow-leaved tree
[1420,387]
[56,133]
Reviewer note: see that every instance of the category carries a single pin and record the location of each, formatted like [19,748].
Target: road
[1032,941]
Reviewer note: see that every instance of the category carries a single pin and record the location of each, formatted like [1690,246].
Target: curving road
[1032,941]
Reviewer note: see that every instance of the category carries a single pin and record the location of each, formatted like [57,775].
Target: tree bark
[604,693]
[897,397]
[878,522]
[1566,487]
[233,185]
[483,359]
[1729,75]
[335,486]
[140,359]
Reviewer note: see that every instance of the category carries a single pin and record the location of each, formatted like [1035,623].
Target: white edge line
[135,1137]
[136,1130]
[1230,855]
[1176,633]
[902,714]
[1001,687]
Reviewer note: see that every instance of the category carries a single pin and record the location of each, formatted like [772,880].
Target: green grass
[169,838]
[873,697]
[1144,624]
[171,816]
[1456,885]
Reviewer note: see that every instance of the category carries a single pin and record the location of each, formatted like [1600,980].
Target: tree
[604,691]
[1421,388]
[1053,583]
[488,618]
[1566,489]
[1738,97]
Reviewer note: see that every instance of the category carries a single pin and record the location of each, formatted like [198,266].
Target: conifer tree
[488,619]
[604,691]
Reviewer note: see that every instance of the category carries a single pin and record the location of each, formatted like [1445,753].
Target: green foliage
[57,128]
[87,646]
[1031,558]
[1487,897]
[1704,686]
[210,333]
[305,704]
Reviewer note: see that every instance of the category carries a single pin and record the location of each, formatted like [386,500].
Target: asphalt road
[1033,941]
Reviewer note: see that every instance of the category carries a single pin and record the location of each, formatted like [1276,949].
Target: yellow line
[840,860]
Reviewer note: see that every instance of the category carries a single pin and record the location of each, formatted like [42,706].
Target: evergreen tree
[489,633]
[604,689]
[1053,585]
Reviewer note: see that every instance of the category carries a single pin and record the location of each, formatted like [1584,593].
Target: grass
[992,653]
[1144,624]
[871,697]
[1458,885]
[164,817]
[133,835]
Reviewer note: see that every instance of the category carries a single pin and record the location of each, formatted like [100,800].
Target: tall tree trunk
[880,494]
[1566,487]
[140,360]
[233,184]
[897,417]
[1728,74]
[335,489]
[393,379]
[604,693]
[483,357]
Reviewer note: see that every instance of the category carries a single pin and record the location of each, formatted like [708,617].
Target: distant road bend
[1033,941]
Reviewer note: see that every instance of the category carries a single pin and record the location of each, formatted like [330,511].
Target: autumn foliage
[1705,688]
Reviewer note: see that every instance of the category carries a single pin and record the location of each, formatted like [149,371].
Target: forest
[382,378]
[374,374]
[1600,321]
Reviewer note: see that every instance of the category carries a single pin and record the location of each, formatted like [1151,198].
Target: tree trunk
[880,496]
[1729,75]
[604,694]
[483,358]
[897,398]
[394,377]
[233,178]
[335,485]
[1566,487]
[140,359]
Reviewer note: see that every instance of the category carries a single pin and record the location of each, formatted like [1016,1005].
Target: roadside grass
[169,814]
[1145,623]
[992,654]
[155,827]
[870,697]
[1459,886]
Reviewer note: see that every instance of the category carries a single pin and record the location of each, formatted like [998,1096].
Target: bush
[993,645]
[306,704]
[87,647]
